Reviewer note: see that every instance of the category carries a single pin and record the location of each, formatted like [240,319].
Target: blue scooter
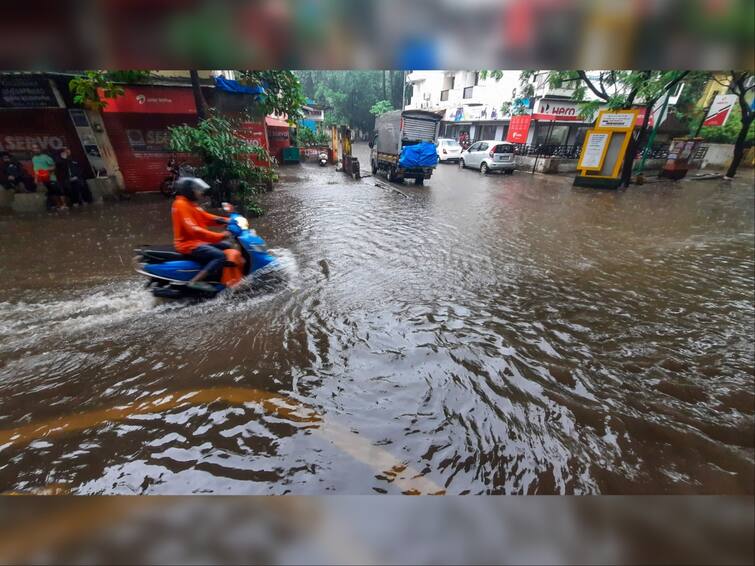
[169,271]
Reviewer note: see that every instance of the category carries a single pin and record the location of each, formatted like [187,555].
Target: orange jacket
[190,223]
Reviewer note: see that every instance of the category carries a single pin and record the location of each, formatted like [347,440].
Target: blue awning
[237,88]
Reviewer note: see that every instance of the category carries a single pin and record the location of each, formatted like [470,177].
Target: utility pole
[403,90]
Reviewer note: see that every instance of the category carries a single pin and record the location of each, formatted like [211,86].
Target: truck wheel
[419,181]
[484,168]
[461,164]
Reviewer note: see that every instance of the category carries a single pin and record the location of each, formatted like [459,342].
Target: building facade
[479,107]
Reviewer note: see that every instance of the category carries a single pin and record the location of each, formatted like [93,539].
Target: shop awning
[276,122]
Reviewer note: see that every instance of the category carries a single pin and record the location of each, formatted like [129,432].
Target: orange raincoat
[190,224]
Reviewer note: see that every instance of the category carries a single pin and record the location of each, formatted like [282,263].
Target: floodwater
[477,335]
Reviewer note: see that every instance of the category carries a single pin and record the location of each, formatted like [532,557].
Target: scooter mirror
[227,207]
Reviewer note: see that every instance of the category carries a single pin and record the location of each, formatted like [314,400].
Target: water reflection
[479,335]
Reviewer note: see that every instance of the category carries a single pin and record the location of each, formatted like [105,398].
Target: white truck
[395,132]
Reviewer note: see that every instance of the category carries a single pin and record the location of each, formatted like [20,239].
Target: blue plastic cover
[422,154]
[235,87]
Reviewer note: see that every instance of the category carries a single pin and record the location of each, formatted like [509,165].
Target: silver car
[448,149]
[489,155]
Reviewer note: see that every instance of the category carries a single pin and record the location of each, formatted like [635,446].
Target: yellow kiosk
[604,148]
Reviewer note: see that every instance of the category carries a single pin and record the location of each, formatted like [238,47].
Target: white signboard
[720,109]
[617,120]
[595,146]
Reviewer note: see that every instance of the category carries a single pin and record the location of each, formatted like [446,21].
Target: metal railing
[549,150]
[657,151]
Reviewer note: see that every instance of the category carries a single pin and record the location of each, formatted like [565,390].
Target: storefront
[138,125]
[31,112]
[278,135]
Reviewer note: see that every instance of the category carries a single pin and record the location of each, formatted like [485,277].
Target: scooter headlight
[242,222]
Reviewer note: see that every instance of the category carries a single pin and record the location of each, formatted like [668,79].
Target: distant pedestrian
[71,179]
[44,173]
[14,176]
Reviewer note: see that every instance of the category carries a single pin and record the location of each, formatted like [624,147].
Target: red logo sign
[519,127]
[152,100]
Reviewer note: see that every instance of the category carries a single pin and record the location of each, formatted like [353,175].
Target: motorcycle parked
[322,159]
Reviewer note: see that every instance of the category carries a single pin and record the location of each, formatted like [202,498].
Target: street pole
[651,137]
[403,90]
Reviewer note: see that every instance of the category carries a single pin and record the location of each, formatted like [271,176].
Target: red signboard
[254,133]
[720,109]
[519,127]
[152,100]
[641,117]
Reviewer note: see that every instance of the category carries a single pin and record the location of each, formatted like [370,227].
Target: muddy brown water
[476,335]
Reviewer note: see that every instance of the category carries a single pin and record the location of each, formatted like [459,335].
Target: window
[474,147]
[444,95]
[503,148]
[476,78]
[468,92]
[483,147]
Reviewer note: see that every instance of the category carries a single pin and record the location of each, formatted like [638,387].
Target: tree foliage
[283,92]
[307,137]
[225,156]
[86,88]
[381,107]
[349,95]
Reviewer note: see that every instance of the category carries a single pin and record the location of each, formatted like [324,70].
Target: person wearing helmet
[191,236]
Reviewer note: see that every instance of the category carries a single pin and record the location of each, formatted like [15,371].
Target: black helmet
[185,187]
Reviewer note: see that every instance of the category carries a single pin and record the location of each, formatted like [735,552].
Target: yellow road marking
[389,468]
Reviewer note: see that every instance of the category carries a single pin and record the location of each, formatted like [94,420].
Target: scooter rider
[191,236]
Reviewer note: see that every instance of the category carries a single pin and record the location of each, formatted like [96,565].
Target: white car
[448,149]
[489,155]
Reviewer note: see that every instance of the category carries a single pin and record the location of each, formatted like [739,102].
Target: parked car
[448,149]
[489,155]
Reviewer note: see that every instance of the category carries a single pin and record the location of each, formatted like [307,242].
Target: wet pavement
[500,334]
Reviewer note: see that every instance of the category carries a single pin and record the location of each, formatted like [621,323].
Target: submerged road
[500,334]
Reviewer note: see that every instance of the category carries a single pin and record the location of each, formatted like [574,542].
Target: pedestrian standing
[44,173]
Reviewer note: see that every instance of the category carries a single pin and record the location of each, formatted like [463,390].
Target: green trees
[86,88]
[350,95]
[619,89]
[742,84]
[225,157]
[380,107]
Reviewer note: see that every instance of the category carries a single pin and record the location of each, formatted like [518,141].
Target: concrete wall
[718,156]
[556,165]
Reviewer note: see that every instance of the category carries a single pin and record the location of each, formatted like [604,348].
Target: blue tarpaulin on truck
[418,155]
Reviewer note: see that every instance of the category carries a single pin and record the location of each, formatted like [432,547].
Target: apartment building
[469,103]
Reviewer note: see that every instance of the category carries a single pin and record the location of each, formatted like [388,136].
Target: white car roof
[494,141]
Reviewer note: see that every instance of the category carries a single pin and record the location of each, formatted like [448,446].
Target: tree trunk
[384,94]
[634,143]
[739,149]
[199,100]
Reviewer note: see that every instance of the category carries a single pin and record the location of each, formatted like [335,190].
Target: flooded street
[501,334]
